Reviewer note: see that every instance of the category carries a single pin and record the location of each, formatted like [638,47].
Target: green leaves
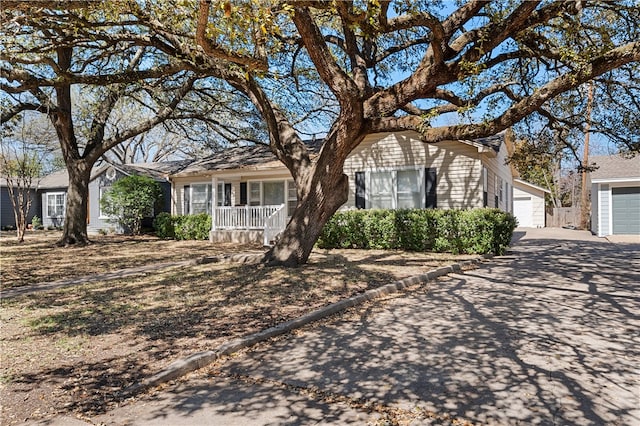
[131,199]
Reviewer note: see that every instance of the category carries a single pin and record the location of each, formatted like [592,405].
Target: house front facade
[398,170]
[50,198]
[615,195]
[248,191]
[105,176]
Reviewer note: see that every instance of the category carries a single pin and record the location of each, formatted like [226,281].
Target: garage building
[528,204]
[615,195]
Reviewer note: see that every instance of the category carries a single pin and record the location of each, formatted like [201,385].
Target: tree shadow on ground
[540,336]
[157,319]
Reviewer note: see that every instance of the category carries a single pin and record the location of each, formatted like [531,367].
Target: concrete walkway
[548,334]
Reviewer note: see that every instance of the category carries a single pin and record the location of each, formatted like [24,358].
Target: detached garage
[528,204]
[615,196]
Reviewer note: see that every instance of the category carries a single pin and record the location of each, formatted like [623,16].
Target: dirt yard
[74,350]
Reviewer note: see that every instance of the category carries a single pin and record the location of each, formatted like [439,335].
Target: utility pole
[584,201]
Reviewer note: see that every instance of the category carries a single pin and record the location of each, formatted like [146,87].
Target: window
[395,189]
[101,191]
[273,193]
[381,190]
[200,198]
[292,197]
[255,198]
[55,204]
[500,185]
[220,195]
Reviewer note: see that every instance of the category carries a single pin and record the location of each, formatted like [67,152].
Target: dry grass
[39,260]
[73,350]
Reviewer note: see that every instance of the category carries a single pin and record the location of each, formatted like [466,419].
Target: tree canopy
[350,68]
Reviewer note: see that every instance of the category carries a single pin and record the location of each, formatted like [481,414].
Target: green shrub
[36,223]
[476,231]
[131,199]
[164,224]
[192,227]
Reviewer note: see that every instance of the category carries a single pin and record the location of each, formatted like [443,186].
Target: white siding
[604,196]
[459,171]
[537,213]
[595,215]
[178,184]
[497,166]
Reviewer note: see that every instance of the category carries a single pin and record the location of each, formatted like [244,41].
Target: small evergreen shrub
[477,231]
[164,223]
[183,227]
[192,227]
[36,223]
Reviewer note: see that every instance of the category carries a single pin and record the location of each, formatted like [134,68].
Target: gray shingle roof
[59,179]
[232,158]
[158,171]
[241,157]
[615,166]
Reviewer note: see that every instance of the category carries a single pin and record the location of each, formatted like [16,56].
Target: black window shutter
[187,200]
[227,194]
[431,196]
[360,190]
[243,193]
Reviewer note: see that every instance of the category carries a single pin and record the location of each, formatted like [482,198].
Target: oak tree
[83,66]
[378,66]
[396,66]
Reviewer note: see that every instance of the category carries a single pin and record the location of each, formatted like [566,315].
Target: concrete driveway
[547,335]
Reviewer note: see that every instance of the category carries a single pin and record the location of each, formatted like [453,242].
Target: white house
[529,204]
[615,195]
[250,194]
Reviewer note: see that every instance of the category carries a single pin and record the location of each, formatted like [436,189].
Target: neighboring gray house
[103,177]
[615,195]
[7,216]
[50,198]
[53,198]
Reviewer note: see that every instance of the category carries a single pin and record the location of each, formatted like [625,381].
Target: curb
[202,359]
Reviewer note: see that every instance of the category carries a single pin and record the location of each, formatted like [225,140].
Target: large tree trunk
[318,199]
[75,221]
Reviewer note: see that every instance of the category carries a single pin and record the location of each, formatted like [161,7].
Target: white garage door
[523,211]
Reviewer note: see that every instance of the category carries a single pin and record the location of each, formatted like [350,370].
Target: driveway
[548,334]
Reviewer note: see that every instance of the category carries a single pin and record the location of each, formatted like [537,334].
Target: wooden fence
[563,216]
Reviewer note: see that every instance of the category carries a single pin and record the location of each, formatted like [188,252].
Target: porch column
[214,201]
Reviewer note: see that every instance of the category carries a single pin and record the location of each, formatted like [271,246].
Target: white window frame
[101,191]
[287,184]
[207,209]
[394,184]
[64,202]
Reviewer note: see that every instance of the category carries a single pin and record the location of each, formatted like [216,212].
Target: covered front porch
[248,224]
[250,210]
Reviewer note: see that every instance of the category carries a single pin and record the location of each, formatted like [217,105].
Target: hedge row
[477,231]
[183,227]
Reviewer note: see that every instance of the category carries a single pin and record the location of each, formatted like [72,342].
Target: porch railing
[244,217]
[274,225]
[270,219]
